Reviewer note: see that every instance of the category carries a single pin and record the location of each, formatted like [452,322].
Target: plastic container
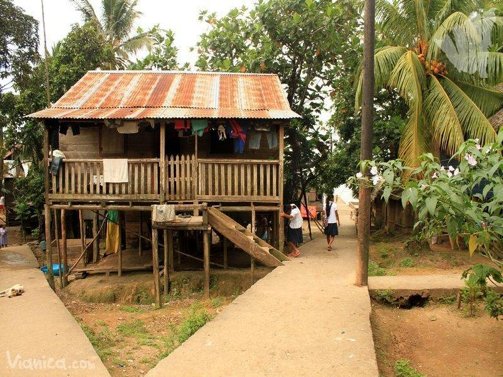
[55,269]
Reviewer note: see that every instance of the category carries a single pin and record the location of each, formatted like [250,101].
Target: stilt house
[206,142]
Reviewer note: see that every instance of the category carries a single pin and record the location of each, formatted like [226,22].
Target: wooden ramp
[244,239]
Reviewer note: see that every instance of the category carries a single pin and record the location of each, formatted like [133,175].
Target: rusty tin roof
[167,95]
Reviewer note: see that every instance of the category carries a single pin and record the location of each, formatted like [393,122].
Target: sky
[181,17]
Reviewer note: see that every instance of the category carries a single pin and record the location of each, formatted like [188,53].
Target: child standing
[3,236]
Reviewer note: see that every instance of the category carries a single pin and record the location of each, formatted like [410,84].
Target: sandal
[329,248]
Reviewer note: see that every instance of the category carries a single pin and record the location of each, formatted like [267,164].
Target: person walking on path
[331,221]
[294,231]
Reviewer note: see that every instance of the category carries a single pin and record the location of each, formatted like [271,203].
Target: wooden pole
[162,161]
[83,236]
[171,261]
[226,261]
[140,246]
[48,247]
[252,270]
[155,267]
[206,246]
[65,247]
[96,244]
[166,261]
[281,223]
[56,236]
[366,143]
[252,262]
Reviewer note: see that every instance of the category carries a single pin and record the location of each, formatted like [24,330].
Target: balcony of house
[102,164]
[185,179]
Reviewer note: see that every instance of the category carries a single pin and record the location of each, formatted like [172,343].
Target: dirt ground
[390,256]
[439,340]
[130,335]
[131,339]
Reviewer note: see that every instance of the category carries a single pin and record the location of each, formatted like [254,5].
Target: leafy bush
[464,200]
[476,288]
[407,262]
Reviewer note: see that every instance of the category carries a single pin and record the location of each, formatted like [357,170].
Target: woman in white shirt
[332,219]
[294,231]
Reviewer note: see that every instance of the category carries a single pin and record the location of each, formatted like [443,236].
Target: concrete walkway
[38,336]
[303,319]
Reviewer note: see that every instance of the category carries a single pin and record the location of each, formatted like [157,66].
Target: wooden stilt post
[65,247]
[96,244]
[252,270]
[119,262]
[171,261]
[155,267]
[58,248]
[226,261]
[206,246]
[82,236]
[162,162]
[48,247]
[140,234]
[166,261]
[252,262]
[281,222]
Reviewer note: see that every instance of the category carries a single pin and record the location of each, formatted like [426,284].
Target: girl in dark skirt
[294,231]
[331,221]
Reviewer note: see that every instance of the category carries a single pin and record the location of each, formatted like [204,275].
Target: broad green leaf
[431,204]
[472,244]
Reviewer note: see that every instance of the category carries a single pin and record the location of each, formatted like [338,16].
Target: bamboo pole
[96,244]
[162,162]
[56,235]
[226,261]
[206,246]
[48,247]
[170,251]
[82,235]
[166,262]
[155,267]
[281,222]
[65,247]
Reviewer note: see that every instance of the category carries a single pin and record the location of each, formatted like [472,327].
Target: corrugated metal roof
[169,95]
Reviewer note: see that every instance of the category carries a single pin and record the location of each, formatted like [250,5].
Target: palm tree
[443,60]
[116,23]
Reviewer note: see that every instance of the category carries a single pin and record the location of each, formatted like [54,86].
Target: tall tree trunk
[366,143]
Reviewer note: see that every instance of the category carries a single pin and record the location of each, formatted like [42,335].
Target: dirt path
[38,336]
[304,319]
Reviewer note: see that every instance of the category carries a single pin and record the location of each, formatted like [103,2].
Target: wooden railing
[83,179]
[234,180]
[186,179]
[181,177]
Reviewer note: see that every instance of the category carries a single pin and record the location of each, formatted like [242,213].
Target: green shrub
[407,262]
[197,318]
[404,369]
[376,270]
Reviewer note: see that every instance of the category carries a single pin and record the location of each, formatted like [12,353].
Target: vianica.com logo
[46,363]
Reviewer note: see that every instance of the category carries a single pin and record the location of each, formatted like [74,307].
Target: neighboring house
[169,137]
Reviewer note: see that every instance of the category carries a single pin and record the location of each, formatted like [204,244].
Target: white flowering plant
[464,198]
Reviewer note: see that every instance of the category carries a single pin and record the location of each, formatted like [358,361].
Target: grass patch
[198,316]
[376,270]
[136,329]
[102,340]
[131,309]
[404,369]
[217,302]
[407,262]
[384,296]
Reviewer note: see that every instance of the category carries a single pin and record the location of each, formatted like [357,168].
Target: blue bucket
[55,269]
